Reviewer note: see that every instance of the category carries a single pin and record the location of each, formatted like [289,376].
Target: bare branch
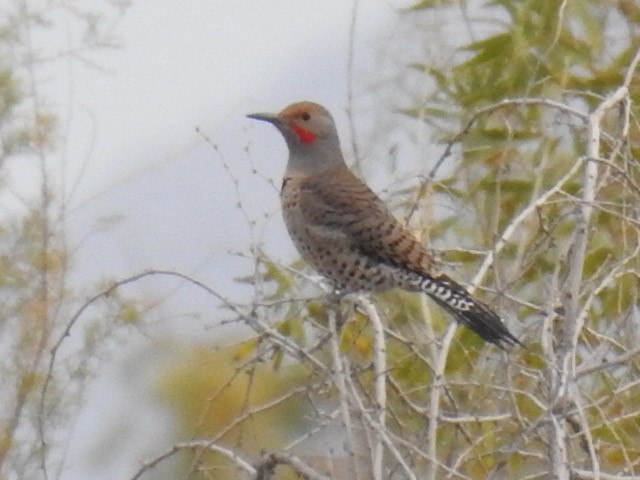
[380,369]
[197,445]
[340,376]
[272,459]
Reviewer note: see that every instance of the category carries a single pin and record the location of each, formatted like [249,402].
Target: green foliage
[510,155]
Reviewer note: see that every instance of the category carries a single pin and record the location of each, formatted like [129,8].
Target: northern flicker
[344,231]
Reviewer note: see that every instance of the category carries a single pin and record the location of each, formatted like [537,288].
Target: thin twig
[380,369]
[339,376]
[295,463]
[350,80]
[197,445]
[434,400]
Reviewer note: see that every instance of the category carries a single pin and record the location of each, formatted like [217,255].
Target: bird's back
[346,232]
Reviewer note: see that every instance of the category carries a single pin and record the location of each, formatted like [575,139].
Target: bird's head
[310,133]
[302,122]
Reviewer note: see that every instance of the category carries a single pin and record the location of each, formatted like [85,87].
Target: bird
[347,233]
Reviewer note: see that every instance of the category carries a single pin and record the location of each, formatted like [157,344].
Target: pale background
[145,190]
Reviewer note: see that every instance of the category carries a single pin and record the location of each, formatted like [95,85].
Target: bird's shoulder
[336,189]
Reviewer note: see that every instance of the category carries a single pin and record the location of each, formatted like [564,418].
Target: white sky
[187,64]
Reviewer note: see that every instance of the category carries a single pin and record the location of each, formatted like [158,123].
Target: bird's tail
[467,310]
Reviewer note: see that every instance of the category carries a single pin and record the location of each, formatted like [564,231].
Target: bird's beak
[266,117]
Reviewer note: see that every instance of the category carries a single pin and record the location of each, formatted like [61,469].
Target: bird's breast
[325,246]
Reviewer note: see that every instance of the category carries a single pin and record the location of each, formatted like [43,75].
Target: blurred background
[141,228]
[148,155]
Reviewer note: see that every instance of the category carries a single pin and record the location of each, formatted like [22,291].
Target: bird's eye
[306,116]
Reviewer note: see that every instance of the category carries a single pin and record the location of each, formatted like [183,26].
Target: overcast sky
[134,162]
[203,64]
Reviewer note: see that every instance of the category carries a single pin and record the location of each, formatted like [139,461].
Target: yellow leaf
[242,350]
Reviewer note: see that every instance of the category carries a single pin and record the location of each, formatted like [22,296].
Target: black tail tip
[506,341]
[489,326]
